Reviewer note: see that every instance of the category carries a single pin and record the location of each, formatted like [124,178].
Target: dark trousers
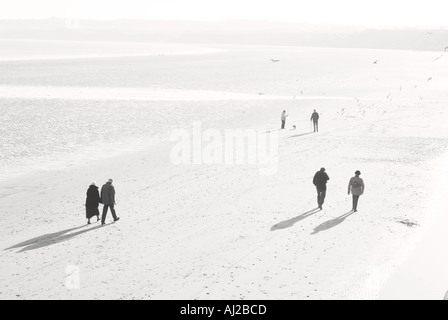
[316,126]
[283,124]
[321,193]
[355,202]
[106,206]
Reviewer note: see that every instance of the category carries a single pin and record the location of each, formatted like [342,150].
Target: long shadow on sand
[273,130]
[289,223]
[300,135]
[52,238]
[332,223]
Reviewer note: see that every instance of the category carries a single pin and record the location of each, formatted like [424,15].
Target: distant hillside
[237,32]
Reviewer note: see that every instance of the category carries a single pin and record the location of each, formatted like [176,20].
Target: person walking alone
[108,199]
[283,118]
[356,186]
[320,181]
[92,202]
[315,119]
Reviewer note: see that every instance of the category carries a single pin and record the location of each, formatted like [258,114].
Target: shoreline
[97,49]
[149,94]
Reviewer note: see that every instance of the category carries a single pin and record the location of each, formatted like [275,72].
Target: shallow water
[57,109]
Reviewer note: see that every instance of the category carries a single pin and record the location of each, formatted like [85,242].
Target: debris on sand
[408,223]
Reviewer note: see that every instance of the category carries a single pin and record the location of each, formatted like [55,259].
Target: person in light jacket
[283,118]
[108,200]
[356,187]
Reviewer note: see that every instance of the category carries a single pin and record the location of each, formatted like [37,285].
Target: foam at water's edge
[43,50]
[144,94]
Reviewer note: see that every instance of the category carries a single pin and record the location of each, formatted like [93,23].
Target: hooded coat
[92,202]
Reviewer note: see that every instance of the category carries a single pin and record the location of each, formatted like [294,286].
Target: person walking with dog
[283,118]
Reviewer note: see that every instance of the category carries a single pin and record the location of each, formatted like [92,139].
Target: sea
[65,102]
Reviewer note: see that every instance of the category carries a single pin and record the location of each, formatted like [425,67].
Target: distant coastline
[228,32]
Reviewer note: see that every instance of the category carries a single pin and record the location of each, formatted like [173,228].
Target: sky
[355,12]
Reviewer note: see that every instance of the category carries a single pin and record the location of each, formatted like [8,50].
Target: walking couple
[355,186]
[107,198]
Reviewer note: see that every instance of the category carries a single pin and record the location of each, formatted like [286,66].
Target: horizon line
[249,20]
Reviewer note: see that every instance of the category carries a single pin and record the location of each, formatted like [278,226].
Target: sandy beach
[220,231]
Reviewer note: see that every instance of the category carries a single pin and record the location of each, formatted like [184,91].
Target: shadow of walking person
[44,237]
[301,135]
[273,130]
[51,238]
[332,223]
[289,223]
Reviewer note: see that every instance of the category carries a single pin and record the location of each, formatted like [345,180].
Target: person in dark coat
[92,202]
[315,119]
[320,181]
[108,199]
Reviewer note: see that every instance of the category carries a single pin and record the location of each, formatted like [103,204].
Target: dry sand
[227,232]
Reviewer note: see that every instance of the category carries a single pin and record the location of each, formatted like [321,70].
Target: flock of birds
[389,96]
[415,86]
